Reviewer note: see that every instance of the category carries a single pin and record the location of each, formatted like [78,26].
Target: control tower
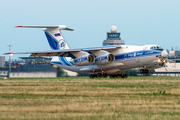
[113,37]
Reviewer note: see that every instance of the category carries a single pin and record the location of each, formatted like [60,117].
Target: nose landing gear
[144,71]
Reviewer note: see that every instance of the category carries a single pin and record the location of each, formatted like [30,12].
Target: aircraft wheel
[125,75]
[95,76]
[146,71]
[104,75]
[142,71]
[114,76]
[119,75]
[99,75]
[91,76]
[111,76]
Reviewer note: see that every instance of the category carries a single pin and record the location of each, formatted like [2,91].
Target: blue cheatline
[142,53]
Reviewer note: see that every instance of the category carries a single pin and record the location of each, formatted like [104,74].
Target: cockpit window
[156,48]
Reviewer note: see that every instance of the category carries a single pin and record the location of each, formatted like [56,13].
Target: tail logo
[61,44]
[57,34]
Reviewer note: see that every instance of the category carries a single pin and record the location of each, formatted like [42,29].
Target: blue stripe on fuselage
[64,61]
[130,55]
[136,54]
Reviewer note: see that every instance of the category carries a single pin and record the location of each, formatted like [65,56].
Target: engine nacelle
[86,60]
[105,59]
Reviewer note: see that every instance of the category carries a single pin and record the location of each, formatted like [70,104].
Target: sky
[139,21]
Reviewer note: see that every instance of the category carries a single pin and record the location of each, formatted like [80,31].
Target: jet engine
[85,60]
[105,59]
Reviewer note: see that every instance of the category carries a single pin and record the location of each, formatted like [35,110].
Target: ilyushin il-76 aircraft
[111,60]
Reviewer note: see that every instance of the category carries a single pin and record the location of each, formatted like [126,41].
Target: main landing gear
[99,75]
[119,75]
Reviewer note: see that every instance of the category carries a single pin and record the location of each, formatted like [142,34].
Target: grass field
[89,99]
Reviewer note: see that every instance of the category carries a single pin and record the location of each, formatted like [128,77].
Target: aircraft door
[126,62]
[125,56]
[136,58]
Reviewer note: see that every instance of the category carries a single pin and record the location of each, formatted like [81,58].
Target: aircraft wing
[65,52]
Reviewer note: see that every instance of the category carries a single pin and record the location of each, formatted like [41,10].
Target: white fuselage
[126,57]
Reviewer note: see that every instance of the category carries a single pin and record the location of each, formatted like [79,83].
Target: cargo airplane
[102,61]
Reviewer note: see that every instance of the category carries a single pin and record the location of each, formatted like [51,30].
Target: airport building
[28,67]
[3,70]
[37,67]
[113,37]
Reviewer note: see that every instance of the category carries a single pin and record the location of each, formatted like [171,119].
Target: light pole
[9,58]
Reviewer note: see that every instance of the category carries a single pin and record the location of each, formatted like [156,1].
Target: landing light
[159,60]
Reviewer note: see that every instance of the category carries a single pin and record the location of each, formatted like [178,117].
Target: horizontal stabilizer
[61,27]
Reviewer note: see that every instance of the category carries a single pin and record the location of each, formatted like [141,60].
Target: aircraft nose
[164,54]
